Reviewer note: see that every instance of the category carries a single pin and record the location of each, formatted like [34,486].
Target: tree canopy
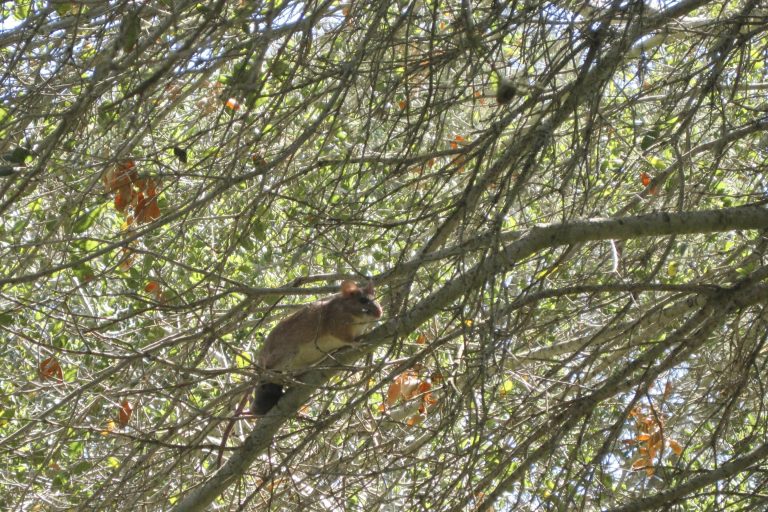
[561,205]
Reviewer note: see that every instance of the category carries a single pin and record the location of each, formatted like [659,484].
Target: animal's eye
[364,300]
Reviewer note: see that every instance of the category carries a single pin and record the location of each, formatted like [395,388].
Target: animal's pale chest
[314,350]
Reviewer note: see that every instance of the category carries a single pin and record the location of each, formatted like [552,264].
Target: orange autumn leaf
[459,162]
[641,463]
[429,399]
[424,386]
[409,387]
[138,199]
[402,104]
[415,420]
[393,393]
[147,209]
[675,447]
[150,187]
[403,386]
[456,140]
[645,178]
[232,104]
[50,368]
[124,415]
[667,389]
[152,287]
[123,198]
[128,259]
[421,339]
[120,175]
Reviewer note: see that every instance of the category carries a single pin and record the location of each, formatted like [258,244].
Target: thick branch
[539,238]
[675,494]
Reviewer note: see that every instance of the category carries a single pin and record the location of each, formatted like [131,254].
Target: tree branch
[539,238]
[675,494]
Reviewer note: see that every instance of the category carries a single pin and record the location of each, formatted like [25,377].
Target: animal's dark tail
[266,396]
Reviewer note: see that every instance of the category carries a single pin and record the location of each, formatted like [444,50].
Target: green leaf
[280,69]
[243,360]
[649,138]
[64,8]
[130,30]
[18,155]
[83,272]
[86,220]
[21,9]
[260,230]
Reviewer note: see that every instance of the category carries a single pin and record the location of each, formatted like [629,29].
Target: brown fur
[310,334]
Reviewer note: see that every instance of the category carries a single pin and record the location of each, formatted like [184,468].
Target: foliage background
[177,175]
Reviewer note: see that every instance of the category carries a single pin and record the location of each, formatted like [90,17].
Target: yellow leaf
[111,425]
[243,360]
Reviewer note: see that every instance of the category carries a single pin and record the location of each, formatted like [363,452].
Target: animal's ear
[348,288]
[368,290]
